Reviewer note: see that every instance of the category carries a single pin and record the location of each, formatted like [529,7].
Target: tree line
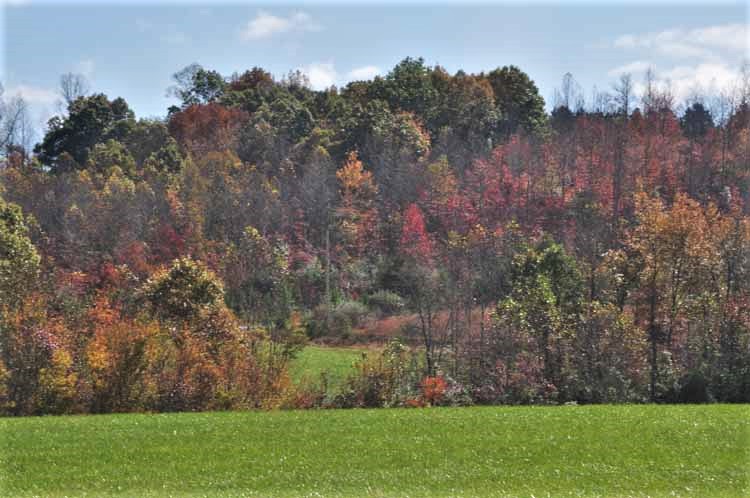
[596,253]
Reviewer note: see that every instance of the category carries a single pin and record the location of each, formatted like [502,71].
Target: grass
[608,451]
[338,363]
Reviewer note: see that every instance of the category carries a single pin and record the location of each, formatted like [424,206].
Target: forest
[488,250]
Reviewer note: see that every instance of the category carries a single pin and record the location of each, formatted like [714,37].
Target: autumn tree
[196,85]
[518,100]
[356,215]
[203,128]
[90,120]
[19,259]
[181,292]
[672,249]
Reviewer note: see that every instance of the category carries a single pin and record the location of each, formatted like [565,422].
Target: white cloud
[705,43]
[32,94]
[363,73]
[707,77]
[728,36]
[683,82]
[265,25]
[634,67]
[321,75]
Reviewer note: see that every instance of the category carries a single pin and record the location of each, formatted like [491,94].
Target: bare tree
[13,112]
[649,92]
[16,128]
[744,83]
[601,102]
[25,129]
[624,93]
[73,86]
[570,94]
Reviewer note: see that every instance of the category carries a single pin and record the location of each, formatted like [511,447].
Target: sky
[131,49]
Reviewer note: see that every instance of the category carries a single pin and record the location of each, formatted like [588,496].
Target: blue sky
[131,49]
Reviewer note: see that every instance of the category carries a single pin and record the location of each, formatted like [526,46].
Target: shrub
[386,302]
[352,312]
[37,375]
[383,380]
[456,395]
[433,389]
[116,357]
[694,388]
[336,322]
[180,292]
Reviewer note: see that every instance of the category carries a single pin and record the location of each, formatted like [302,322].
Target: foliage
[598,254]
[19,259]
[90,120]
[386,302]
[196,85]
[181,292]
[385,379]
[518,100]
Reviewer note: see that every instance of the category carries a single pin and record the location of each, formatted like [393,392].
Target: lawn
[337,363]
[608,451]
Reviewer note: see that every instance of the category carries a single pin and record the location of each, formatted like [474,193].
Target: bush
[433,389]
[387,379]
[343,317]
[456,395]
[386,302]
[694,389]
[352,312]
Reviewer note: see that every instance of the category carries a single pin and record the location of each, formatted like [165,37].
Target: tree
[91,120]
[549,287]
[408,87]
[425,285]
[118,357]
[415,241]
[72,87]
[271,134]
[356,214]
[200,129]
[16,128]
[607,356]
[110,154]
[258,283]
[466,119]
[624,94]
[523,348]
[39,374]
[181,292]
[518,101]
[391,145]
[570,95]
[696,121]
[672,248]
[19,260]
[195,85]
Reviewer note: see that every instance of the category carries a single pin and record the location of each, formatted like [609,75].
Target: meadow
[335,363]
[585,451]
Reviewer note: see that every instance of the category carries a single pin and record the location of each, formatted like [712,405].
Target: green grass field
[338,363]
[608,451]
